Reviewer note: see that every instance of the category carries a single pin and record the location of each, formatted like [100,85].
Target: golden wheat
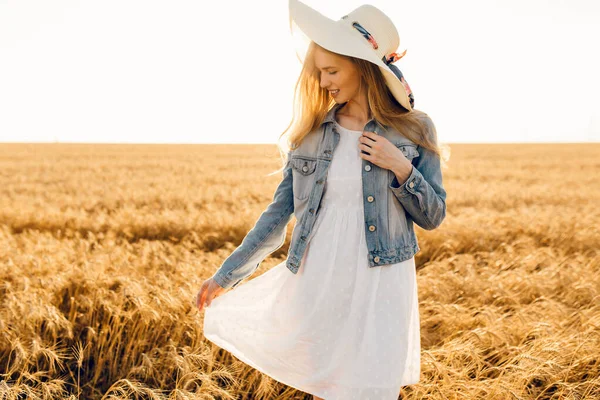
[103,248]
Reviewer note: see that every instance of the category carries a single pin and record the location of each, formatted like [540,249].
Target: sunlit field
[103,248]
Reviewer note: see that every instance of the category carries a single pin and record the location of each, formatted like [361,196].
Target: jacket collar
[330,117]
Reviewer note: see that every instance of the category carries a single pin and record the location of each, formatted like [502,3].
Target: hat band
[388,60]
[392,57]
[366,34]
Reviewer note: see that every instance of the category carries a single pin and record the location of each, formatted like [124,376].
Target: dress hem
[236,353]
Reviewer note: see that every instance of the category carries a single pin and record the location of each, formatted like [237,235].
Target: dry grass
[102,248]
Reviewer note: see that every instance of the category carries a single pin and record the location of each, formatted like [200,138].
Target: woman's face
[338,75]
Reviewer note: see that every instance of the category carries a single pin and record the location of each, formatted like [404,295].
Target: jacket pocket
[303,169]
[409,150]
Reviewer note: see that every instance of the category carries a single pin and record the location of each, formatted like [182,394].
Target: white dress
[337,329]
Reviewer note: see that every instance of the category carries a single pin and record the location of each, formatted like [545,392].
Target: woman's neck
[356,113]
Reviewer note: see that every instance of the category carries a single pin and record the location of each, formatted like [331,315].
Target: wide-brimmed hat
[365,33]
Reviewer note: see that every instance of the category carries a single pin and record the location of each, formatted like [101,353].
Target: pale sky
[133,71]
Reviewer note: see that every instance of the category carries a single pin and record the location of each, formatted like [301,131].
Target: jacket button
[312,210]
[371,228]
[376,259]
[370,199]
[302,237]
[320,181]
[367,167]
[305,168]
[411,184]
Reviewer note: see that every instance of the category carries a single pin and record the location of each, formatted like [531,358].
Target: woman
[363,166]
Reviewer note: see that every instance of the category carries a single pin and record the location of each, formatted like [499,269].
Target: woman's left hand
[383,153]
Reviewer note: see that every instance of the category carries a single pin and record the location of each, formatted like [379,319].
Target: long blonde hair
[312,103]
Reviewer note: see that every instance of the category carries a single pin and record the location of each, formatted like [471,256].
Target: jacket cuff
[222,279]
[409,187]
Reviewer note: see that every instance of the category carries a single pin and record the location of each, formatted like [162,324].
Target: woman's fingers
[199,300]
[202,296]
[209,290]
[210,293]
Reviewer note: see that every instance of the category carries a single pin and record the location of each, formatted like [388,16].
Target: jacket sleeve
[267,235]
[422,194]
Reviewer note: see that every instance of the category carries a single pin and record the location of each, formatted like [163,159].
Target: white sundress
[338,329]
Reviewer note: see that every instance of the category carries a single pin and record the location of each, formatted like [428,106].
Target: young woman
[339,318]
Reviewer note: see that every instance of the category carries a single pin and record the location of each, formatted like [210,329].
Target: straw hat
[365,33]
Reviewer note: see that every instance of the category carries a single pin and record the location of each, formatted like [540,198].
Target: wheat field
[103,248]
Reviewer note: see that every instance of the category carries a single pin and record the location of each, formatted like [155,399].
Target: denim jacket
[390,208]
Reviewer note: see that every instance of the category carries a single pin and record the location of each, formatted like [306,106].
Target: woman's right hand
[208,291]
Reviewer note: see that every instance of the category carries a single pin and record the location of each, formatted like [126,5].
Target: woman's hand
[384,154]
[208,291]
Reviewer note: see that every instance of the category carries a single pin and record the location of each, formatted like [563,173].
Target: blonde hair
[312,103]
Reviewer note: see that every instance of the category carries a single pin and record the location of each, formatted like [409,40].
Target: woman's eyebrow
[327,67]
